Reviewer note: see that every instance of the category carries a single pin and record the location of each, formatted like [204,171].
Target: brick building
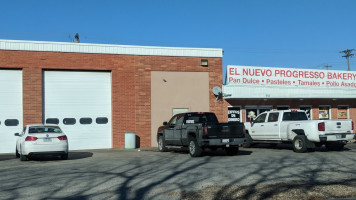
[97,93]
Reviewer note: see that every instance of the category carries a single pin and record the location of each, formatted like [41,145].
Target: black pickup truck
[199,130]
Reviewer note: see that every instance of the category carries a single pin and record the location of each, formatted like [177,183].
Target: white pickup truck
[294,126]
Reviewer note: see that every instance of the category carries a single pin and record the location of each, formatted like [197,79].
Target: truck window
[173,121]
[193,118]
[261,118]
[294,116]
[180,119]
[273,117]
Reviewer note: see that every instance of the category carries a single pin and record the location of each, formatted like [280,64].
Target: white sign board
[246,75]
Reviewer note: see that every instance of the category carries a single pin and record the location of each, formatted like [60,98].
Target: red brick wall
[131,79]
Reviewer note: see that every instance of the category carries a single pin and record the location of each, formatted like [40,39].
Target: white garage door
[10,108]
[80,102]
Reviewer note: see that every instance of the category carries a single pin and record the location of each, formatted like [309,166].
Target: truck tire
[231,151]
[161,144]
[194,149]
[248,141]
[300,144]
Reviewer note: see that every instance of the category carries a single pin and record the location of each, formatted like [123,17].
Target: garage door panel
[80,95]
[11,114]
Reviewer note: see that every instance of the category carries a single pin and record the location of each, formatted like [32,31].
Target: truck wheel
[248,141]
[231,151]
[300,144]
[161,144]
[194,149]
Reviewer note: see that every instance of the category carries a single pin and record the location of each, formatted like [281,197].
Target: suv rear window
[294,116]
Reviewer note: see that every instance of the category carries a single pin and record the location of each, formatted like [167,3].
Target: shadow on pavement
[71,156]
[7,157]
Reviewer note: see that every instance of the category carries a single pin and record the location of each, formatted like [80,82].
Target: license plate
[47,140]
[225,140]
[338,136]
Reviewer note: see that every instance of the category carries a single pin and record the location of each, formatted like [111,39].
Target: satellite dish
[217,90]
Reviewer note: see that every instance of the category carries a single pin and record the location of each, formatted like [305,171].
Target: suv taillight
[63,137]
[31,138]
[204,130]
[321,126]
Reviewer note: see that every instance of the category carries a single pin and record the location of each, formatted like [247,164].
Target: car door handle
[276,125]
[262,125]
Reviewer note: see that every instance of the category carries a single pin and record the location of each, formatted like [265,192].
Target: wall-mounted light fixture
[204,62]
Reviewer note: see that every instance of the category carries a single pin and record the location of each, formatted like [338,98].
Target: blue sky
[271,33]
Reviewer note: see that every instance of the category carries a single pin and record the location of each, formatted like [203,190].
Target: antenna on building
[77,38]
[348,53]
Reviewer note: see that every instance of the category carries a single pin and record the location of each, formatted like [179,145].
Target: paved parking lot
[258,172]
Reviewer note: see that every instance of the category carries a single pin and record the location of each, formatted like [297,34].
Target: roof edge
[71,47]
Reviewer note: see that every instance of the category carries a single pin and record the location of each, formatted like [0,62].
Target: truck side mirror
[165,123]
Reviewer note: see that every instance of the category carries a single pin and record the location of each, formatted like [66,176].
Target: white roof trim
[70,47]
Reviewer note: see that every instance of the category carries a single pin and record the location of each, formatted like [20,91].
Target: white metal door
[11,117]
[80,102]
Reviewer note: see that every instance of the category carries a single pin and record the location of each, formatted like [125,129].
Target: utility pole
[348,54]
[327,66]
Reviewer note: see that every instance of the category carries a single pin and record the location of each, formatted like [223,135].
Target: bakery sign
[247,75]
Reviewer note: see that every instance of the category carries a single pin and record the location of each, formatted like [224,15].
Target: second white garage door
[80,102]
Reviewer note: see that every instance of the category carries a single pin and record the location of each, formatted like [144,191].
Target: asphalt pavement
[148,174]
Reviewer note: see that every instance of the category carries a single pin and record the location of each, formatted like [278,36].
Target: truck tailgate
[338,126]
[226,130]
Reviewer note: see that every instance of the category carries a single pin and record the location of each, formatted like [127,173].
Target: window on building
[283,107]
[52,121]
[307,110]
[69,121]
[342,112]
[179,110]
[324,112]
[85,120]
[234,114]
[102,120]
